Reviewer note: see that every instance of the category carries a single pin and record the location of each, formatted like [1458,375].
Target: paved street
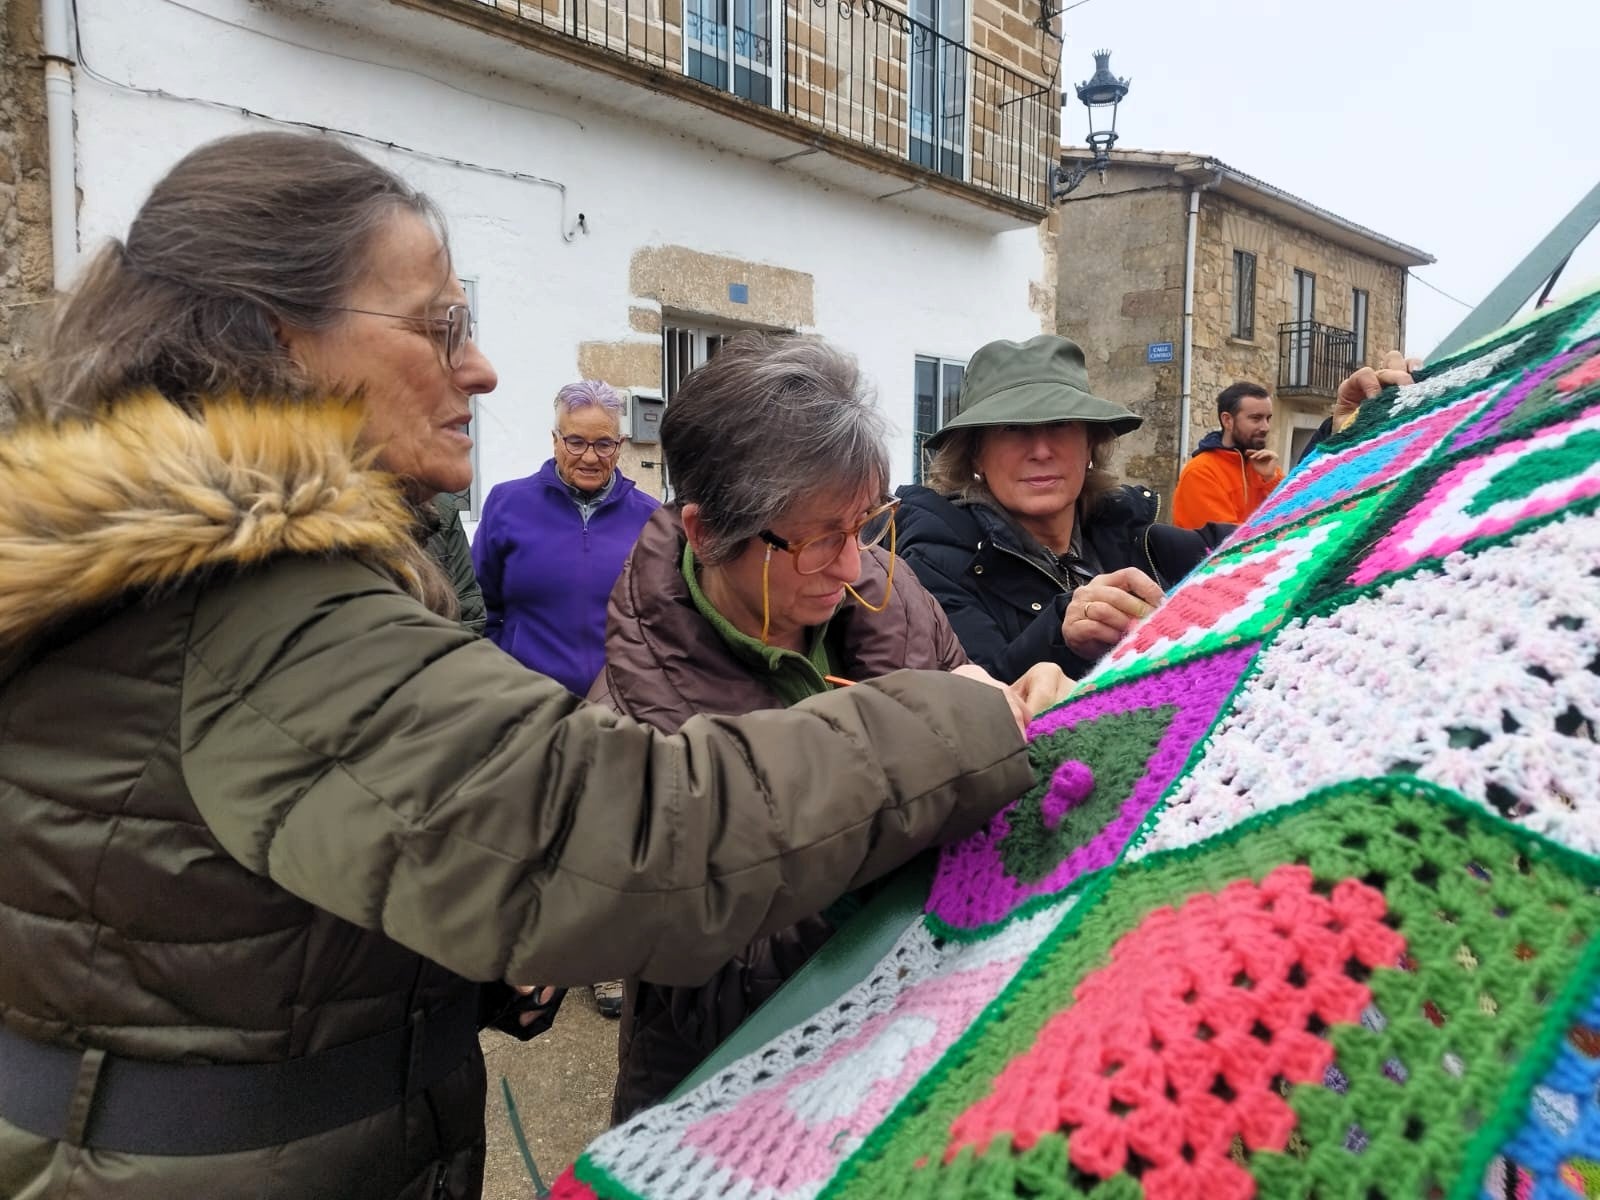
[562,1085]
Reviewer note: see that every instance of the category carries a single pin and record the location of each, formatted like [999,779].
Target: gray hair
[589,393]
[952,470]
[244,235]
[769,420]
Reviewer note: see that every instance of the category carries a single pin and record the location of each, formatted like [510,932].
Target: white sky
[1390,113]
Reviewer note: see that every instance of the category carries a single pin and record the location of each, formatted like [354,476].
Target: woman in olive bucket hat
[1022,533]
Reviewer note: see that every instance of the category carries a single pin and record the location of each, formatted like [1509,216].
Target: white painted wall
[890,284]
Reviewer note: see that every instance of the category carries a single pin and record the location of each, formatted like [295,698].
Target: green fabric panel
[1532,470]
[1117,747]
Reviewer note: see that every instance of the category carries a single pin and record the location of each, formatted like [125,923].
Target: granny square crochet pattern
[1305,899]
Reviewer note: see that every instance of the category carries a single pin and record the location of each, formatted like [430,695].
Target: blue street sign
[1157,352]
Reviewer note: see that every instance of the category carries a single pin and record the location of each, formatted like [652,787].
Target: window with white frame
[937,83]
[1302,339]
[733,45]
[936,398]
[683,348]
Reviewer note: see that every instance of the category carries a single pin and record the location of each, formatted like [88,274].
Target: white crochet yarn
[812,1120]
[1412,394]
[1511,674]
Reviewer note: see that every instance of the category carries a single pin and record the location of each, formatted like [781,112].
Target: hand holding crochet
[1019,708]
[1105,608]
[1367,383]
[1042,686]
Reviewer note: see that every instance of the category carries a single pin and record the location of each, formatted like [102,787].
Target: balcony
[858,79]
[1314,358]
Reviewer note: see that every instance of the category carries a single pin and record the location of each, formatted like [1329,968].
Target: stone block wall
[25,258]
[1121,288]
[1280,248]
[1006,136]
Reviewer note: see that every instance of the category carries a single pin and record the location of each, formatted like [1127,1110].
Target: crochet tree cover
[1305,899]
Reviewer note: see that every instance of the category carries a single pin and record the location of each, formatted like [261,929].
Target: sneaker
[608,998]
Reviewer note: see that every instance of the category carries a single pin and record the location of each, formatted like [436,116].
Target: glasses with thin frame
[451,332]
[577,447]
[813,554]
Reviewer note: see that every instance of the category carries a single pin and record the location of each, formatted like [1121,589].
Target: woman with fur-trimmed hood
[269,810]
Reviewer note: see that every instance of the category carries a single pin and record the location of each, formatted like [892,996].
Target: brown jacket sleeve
[385,765]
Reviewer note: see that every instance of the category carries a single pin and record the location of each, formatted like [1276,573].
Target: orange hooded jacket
[1217,484]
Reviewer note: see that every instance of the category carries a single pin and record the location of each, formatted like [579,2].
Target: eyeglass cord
[766,601]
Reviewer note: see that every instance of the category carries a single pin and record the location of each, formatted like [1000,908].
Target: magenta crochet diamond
[1131,740]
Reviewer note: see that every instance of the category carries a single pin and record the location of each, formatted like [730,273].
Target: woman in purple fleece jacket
[551,546]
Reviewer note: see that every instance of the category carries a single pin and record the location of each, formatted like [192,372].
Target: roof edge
[1214,174]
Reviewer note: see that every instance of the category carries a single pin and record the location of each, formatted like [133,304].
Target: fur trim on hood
[147,496]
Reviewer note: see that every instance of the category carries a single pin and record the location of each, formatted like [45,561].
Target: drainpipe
[1400,339]
[1188,326]
[1195,188]
[58,65]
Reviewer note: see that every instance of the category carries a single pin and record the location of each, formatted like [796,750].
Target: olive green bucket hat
[1031,383]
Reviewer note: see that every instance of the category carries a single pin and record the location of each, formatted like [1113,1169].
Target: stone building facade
[1284,294]
[968,92]
[25,265]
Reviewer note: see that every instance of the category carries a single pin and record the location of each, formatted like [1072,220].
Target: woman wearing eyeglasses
[271,816]
[549,548]
[551,545]
[770,579]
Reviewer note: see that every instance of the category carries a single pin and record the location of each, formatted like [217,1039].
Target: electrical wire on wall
[569,232]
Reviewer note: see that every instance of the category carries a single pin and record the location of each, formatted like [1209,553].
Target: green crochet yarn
[1538,468]
[1304,901]
[1118,748]
[1493,924]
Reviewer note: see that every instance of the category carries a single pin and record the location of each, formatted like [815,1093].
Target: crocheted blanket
[1305,899]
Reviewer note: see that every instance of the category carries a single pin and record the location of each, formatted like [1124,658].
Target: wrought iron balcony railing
[1313,357]
[857,69]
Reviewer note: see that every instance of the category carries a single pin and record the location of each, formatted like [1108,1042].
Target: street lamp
[1100,94]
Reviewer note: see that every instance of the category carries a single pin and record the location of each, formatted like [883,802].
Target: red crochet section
[1204,602]
[1179,1044]
[569,1187]
[1585,376]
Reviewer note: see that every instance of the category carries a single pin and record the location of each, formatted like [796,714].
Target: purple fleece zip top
[546,573]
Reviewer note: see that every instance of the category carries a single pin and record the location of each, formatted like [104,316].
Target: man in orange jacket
[1231,472]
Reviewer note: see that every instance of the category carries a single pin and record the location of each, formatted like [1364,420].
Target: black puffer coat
[1006,604]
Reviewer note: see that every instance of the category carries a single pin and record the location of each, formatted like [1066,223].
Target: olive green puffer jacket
[258,801]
